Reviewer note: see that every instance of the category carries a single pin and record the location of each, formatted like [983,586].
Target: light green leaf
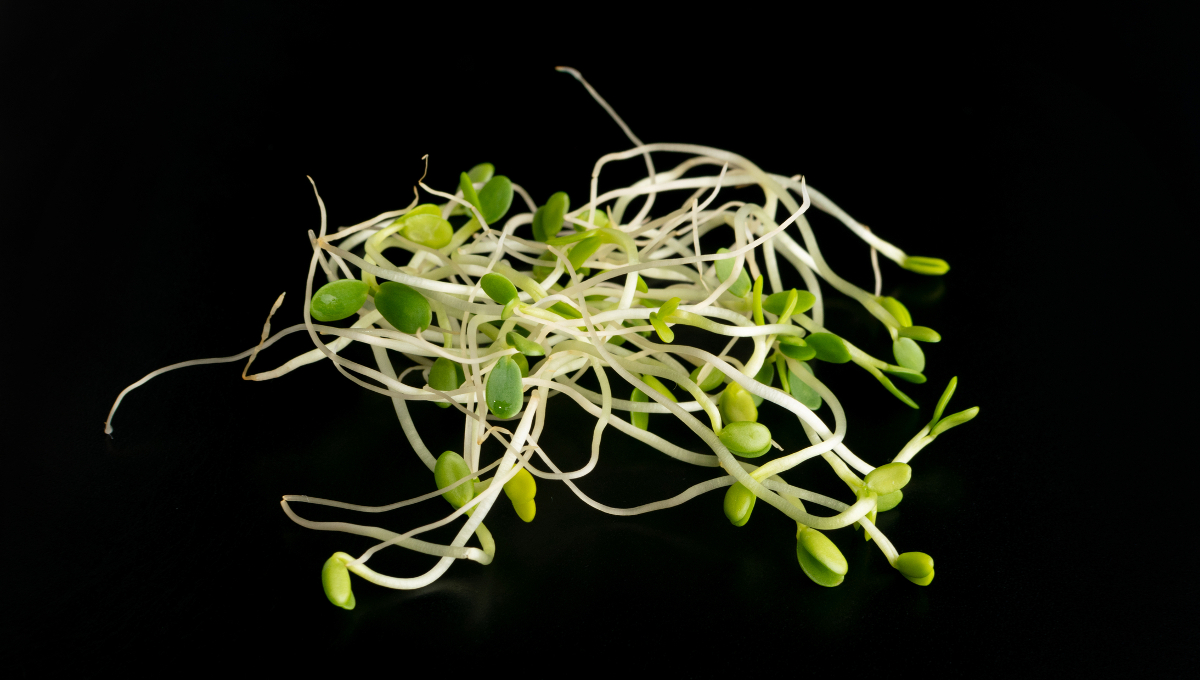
[509,308]
[802,392]
[908,354]
[711,381]
[794,347]
[521,488]
[550,221]
[741,284]
[430,231]
[886,479]
[338,300]
[931,266]
[924,581]
[406,309]
[522,363]
[906,374]
[820,558]
[887,384]
[468,190]
[449,468]
[423,209]
[498,288]
[664,332]
[579,253]
[659,387]
[597,218]
[944,400]
[445,376]
[495,198]
[888,501]
[335,578]
[766,376]
[896,309]
[746,439]
[914,565]
[736,405]
[640,419]
[919,333]
[526,510]
[954,420]
[525,346]
[667,308]
[829,347]
[481,173]
[739,503]
[503,389]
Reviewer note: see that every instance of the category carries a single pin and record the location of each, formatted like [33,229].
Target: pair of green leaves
[746,439]
[526,347]
[737,405]
[938,424]
[658,319]
[739,503]
[335,578]
[886,482]
[889,478]
[776,303]
[548,219]
[905,348]
[493,200]
[824,346]
[916,567]
[520,490]
[424,225]
[451,467]
[820,558]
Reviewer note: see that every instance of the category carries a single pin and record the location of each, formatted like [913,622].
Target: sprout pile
[495,310]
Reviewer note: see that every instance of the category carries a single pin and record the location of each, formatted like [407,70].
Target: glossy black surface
[162,205]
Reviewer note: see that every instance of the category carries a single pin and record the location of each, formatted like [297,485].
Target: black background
[156,204]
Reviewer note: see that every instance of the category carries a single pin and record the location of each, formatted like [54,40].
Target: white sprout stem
[194,362]
[914,445]
[482,503]
[456,552]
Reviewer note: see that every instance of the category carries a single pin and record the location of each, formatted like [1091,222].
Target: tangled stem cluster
[495,311]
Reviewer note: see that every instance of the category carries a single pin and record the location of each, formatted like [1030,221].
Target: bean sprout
[496,313]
